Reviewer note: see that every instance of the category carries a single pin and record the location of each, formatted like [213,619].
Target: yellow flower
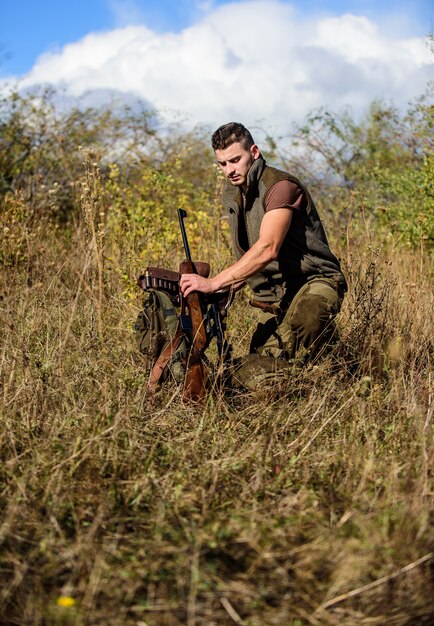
[66,601]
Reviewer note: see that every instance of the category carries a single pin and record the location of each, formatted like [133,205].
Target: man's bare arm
[274,227]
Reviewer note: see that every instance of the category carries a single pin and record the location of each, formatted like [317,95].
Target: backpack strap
[163,359]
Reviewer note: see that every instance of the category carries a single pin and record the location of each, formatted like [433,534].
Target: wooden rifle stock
[194,383]
[195,376]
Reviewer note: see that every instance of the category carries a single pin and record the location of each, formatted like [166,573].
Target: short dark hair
[230,133]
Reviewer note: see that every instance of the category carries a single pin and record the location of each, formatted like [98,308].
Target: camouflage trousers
[293,335]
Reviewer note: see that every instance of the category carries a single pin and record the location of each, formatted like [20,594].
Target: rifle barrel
[181,215]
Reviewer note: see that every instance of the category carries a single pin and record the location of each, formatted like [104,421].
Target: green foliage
[147,171]
[387,159]
[141,218]
[142,210]
[41,147]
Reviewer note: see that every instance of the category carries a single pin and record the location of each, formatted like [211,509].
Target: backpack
[160,339]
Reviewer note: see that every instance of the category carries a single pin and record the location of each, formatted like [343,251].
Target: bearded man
[282,254]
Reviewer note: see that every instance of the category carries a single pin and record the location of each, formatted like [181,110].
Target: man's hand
[194,282]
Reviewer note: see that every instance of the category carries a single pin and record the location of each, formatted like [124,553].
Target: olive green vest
[305,252]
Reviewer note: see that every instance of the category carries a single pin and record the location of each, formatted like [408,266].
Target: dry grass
[311,508]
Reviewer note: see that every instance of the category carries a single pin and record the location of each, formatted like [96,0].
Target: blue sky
[29,28]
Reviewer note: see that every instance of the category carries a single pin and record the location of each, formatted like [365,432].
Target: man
[282,254]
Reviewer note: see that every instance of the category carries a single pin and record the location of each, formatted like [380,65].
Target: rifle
[191,306]
[201,318]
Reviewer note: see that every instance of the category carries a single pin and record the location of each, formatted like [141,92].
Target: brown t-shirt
[284,195]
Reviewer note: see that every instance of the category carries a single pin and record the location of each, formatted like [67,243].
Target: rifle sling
[163,359]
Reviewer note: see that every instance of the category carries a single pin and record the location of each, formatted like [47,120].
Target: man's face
[235,162]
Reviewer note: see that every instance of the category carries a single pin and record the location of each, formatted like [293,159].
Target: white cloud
[246,61]
[125,12]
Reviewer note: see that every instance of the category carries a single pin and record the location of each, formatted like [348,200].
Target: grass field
[312,507]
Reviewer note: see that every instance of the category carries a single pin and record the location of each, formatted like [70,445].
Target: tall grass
[310,507]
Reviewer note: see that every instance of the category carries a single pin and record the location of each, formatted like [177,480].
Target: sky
[211,61]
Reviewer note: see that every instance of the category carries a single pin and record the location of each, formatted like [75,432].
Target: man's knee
[310,318]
